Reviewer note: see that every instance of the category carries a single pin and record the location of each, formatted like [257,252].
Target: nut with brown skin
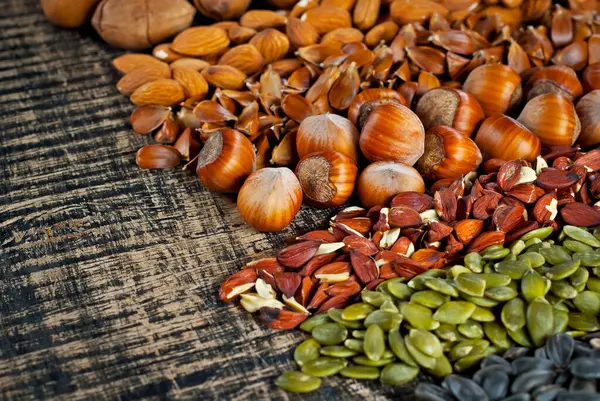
[363,104]
[504,138]
[497,87]
[558,79]
[327,132]
[68,13]
[139,24]
[588,110]
[222,9]
[381,181]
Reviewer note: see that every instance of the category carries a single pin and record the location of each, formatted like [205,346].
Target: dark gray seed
[494,360]
[495,385]
[515,352]
[559,349]
[581,349]
[432,392]
[465,389]
[482,373]
[528,381]
[518,397]
[529,363]
[563,378]
[567,396]
[586,386]
[586,368]
[541,353]
[591,336]
[547,392]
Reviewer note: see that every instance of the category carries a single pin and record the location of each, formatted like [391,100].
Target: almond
[429,258]
[507,217]
[165,53]
[272,44]
[316,262]
[201,41]
[385,31]
[141,75]
[192,63]
[445,204]
[364,267]
[262,19]
[241,34]
[418,201]
[192,81]
[301,33]
[162,92]
[280,319]
[361,245]
[546,208]
[344,35]
[224,76]
[366,13]
[487,239]
[466,230]
[327,18]
[508,175]
[580,214]
[296,255]
[552,178]
[129,62]
[245,58]
[410,11]
[337,302]
[287,283]
[404,217]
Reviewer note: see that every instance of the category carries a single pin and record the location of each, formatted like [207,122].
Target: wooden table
[109,274]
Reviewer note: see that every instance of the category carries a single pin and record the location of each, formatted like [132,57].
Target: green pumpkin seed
[561,320]
[520,337]
[330,333]
[354,344]
[336,316]
[454,312]
[324,366]
[309,324]
[419,357]
[593,284]
[596,271]
[418,283]
[514,270]
[360,372]
[501,294]
[374,298]
[563,270]
[442,286]
[448,332]
[580,287]
[579,234]
[488,268]
[400,290]
[563,290]
[297,382]
[471,284]
[364,361]
[588,259]
[457,270]
[338,351]
[418,316]
[533,241]
[389,306]
[483,302]
[495,254]
[471,329]
[540,321]
[426,342]
[588,302]
[555,255]
[308,350]
[576,246]
[580,277]
[429,298]
[374,343]
[357,311]
[474,262]
[536,247]
[386,320]
[495,279]
[442,367]
[398,347]
[360,334]
[497,335]
[517,247]
[535,259]
[539,233]
[397,374]
[532,285]
[482,314]
[468,347]
[467,362]
[513,314]
[583,322]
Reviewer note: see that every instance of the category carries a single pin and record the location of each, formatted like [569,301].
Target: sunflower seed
[484,372]
[465,389]
[585,368]
[581,385]
[526,364]
[495,385]
[526,382]
[432,392]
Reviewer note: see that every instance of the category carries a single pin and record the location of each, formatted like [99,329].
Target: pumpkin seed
[454,312]
[468,347]
[338,351]
[398,347]
[517,247]
[483,302]
[400,290]
[386,320]
[309,324]
[397,374]
[471,329]
[539,233]
[364,361]
[474,262]
[540,321]
[561,319]
[471,284]
[501,294]
[357,311]
[423,360]
[330,333]
[418,316]
[532,285]
[593,284]
[579,234]
[336,316]
[580,277]
[588,259]
[467,362]
[495,254]
[533,241]
[297,382]
[418,283]
[520,337]
[374,298]
[359,334]
[563,290]
[354,344]
[495,279]
[374,343]
[360,372]
[389,306]
[563,270]
[497,335]
[555,255]
[535,259]
[324,366]
[588,302]
[457,270]
[576,246]
[308,350]
[514,270]
[426,342]
[513,314]
[442,286]
[482,314]
[442,368]
[448,332]
[429,298]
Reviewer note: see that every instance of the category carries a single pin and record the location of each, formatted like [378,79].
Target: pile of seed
[563,370]
[448,320]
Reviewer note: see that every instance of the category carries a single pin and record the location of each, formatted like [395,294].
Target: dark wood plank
[109,274]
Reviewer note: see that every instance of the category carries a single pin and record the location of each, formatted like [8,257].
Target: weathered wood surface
[108,273]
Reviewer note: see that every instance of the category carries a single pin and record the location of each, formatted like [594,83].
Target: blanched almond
[201,41]
[129,62]
[245,58]
[272,44]
[192,81]
[162,92]
[224,76]
[141,75]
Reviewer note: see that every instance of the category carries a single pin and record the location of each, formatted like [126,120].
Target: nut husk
[67,13]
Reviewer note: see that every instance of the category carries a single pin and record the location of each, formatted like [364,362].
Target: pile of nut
[321,99]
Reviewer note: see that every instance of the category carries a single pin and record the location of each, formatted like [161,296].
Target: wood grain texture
[108,273]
